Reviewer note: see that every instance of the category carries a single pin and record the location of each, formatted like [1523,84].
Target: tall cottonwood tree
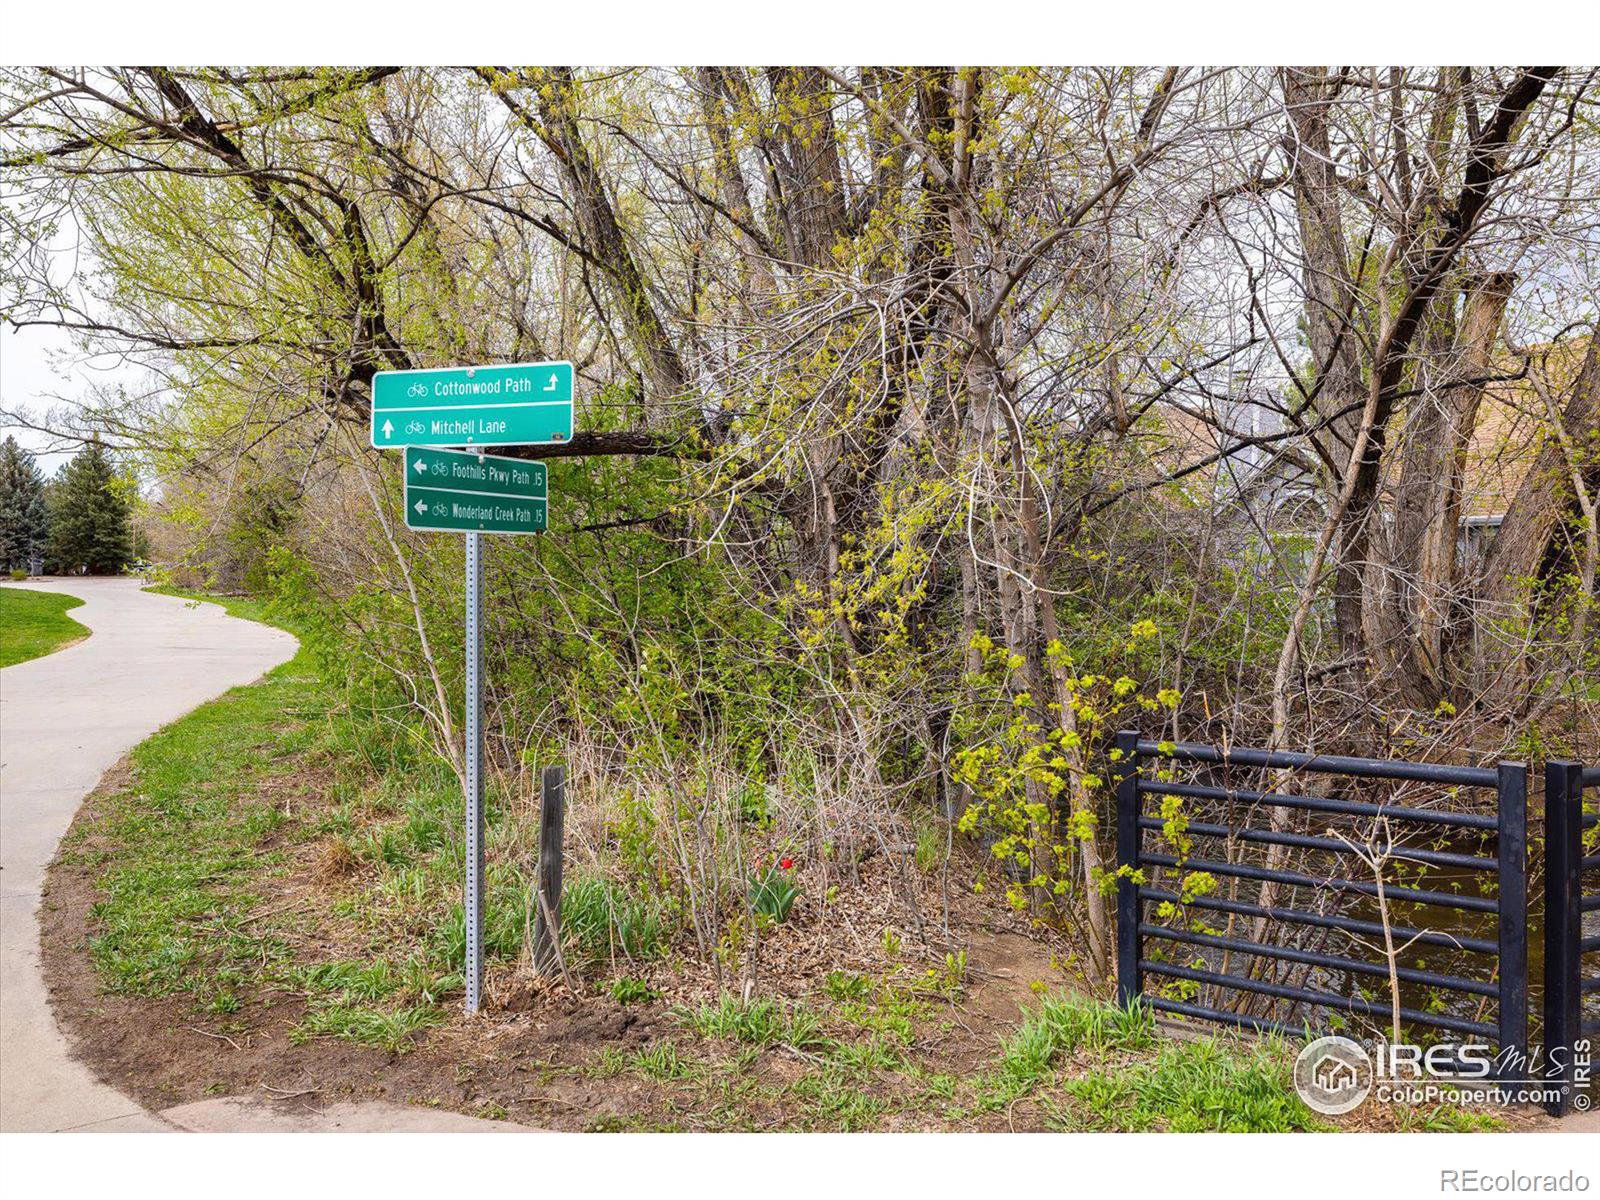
[914,356]
[1407,324]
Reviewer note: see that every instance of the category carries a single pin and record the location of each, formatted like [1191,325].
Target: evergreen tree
[24,522]
[90,529]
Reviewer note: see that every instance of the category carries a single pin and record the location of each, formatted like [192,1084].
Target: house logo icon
[1333,1075]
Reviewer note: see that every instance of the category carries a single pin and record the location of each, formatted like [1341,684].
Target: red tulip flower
[786,863]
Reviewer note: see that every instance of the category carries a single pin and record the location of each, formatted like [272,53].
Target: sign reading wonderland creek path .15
[449,490]
[518,405]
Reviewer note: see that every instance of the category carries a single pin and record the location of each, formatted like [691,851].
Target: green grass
[1063,1024]
[1074,1064]
[1448,1118]
[933,845]
[835,1101]
[390,1031]
[1122,1078]
[273,778]
[1216,1085]
[760,1022]
[33,624]
[189,852]
[191,841]
[661,1062]
[600,922]
[1090,1065]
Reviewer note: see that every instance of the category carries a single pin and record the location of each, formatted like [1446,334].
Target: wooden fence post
[552,819]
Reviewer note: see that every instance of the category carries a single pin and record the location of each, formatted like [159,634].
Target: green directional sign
[521,404]
[472,493]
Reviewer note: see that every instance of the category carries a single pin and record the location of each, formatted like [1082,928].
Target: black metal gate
[1566,1024]
[1461,969]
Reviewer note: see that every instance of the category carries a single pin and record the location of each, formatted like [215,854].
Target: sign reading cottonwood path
[464,492]
[522,404]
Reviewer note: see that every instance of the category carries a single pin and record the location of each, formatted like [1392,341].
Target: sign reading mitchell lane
[517,405]
[450,490]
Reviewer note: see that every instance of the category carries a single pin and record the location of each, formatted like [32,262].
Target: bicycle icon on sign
[417,389]
[414,427]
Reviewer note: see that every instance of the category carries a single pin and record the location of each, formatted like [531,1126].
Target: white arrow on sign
[422,506]
[420,467]
[388,429]
[551,386]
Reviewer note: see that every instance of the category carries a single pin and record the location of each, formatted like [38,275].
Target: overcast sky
[28,380]
[37,370]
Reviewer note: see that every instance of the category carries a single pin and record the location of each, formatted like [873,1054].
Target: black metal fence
[1568,991]
[1449,960]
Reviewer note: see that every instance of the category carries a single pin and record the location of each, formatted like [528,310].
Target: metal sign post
[473,899]
[527,404]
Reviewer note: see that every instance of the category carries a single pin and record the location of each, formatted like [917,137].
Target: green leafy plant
[773,892]
[626,990]
[847,985]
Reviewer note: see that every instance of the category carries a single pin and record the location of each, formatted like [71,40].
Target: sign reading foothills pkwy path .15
[450,490]
[517,405]
[470,492]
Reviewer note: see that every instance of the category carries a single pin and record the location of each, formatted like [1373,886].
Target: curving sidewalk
[64,720]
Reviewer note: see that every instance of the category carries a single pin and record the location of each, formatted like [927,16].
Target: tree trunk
[1424,578]
[1330,302]
[596,217]
[1528,539]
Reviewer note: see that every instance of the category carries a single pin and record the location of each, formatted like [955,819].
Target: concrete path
[65,719]
[231,1114]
